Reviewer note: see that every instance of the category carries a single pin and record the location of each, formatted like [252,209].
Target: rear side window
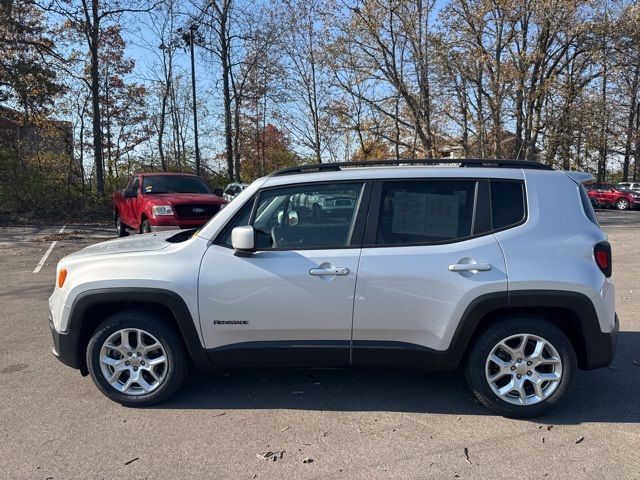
[429,211]
[507,203]
[586,205]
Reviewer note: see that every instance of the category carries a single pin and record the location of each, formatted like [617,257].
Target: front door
[423,261]
[291,301]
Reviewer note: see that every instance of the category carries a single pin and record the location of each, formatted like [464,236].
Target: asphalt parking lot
[354,424]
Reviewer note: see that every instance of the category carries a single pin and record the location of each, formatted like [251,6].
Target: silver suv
[500,266]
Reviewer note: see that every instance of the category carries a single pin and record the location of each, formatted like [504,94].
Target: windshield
[174,184]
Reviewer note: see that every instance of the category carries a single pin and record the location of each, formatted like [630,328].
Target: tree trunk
[95,98]
[226,92]
[630,123]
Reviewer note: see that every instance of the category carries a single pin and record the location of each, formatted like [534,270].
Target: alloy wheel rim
[133,361]
[523,369]
[622,204]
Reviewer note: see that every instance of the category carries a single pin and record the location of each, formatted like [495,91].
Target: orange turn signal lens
[62,276]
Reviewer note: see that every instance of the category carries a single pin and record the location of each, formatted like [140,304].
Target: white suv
[500,266]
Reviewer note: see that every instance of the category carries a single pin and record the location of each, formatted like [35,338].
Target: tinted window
[427,211]
[174,184]
[586,205]
[507,203]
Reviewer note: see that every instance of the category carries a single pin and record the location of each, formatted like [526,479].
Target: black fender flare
[597,348]
[166,298]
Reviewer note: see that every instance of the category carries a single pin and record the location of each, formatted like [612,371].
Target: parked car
[417,277]
[633,186]
[608,195]
[233,190]
[153,202]
[319,204]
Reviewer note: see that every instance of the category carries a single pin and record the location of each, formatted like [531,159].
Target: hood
[136,243]
[183,198]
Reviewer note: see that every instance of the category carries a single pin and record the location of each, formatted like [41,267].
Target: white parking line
[46,254]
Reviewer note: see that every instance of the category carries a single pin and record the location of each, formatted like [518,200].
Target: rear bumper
[601,347]
[65,346]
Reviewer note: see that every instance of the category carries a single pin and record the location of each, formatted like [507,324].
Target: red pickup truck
[163,201]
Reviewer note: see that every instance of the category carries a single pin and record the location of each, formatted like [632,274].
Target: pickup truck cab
[163,201]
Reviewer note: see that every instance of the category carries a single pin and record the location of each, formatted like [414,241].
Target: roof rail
[462,162]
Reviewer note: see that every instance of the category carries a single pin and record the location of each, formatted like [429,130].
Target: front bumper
[163,228]
[65,346]
[161,223]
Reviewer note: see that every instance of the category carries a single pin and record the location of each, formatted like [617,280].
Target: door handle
[469,267]
[329,271]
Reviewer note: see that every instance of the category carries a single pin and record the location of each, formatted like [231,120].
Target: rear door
[428,252]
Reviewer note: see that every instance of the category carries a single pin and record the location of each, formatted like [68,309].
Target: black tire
[622,204]
[482,348]
[121,228]
[145,226]
[177,365]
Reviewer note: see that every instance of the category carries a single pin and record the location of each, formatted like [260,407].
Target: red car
[608,195]
[163,201]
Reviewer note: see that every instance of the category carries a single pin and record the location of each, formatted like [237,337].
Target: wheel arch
[92,307]
[572,312]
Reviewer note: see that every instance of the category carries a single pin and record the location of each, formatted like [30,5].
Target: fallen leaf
[579,439]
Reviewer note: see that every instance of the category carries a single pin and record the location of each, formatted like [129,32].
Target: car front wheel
[521,367]
[145,226]
[121,229]
[135,359]
[622,204]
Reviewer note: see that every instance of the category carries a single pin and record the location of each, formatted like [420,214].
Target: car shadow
[605,395]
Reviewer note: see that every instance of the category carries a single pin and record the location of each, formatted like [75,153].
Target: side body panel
[408,295]
[270,296]
[553,250]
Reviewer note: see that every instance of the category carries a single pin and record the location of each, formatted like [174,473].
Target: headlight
[162,210]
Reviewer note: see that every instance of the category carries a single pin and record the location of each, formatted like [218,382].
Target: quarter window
[507,203]
[430,211]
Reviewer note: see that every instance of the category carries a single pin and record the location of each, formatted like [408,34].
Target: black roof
[466,162]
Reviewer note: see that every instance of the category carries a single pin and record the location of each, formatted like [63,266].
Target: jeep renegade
[499,266]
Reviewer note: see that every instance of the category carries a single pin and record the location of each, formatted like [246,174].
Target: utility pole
[192,28]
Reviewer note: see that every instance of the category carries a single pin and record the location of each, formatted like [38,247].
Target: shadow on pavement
[604,395]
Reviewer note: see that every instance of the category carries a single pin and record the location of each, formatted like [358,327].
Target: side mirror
[130,193]
[291,220]
[218,191]
[243,240]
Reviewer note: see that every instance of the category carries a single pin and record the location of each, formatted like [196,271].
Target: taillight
[602,255]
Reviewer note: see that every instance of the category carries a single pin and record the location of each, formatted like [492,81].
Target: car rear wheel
[121,229]
[521,367]
[135,359]
[622,204]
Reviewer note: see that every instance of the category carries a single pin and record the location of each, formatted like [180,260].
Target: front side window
[314,216]
[426,211]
